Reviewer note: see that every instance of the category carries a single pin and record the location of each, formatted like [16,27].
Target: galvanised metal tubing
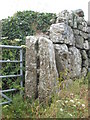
[11,47]
[3,103]
[7,61]
[8,76]
[3,95]
[2,91]
[21,65]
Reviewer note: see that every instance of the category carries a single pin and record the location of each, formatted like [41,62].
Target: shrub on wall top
[26,23]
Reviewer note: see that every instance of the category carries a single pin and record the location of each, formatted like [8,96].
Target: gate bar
[2,91]
[7,76]
[9,61]
[11,47]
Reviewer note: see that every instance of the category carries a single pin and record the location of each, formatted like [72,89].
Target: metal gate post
[21,71]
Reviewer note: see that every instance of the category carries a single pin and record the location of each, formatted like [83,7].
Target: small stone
[86,45]
[84,35]
[76,31]
[89,44]
[64,13]
[75,22]
[88,39]
[89,63]
[89,35]
[80,20]
[70,23]
[79,41]
[85,63]
[80,27]
[62,17]
[88,53]
[80,12]
[84,29]
[84,54]
[84,71]
[84,23]
[88,29]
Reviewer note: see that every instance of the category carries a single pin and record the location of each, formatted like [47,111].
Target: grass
[71,102]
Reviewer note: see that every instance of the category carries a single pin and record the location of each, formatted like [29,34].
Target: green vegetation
[11,68]
[26,23]
[71,102]
[14,31]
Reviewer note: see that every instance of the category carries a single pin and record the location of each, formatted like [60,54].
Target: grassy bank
[71,102]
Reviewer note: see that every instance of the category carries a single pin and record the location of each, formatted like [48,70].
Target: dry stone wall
[89,46]
[65,48]
[71,30]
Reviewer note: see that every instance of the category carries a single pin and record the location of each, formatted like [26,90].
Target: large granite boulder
[61,33]
[68,60]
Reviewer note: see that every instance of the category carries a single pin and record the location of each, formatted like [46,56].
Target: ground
[71,102]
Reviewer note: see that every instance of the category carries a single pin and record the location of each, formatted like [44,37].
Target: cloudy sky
[9,7]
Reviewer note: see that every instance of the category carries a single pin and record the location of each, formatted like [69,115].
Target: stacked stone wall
[65,48]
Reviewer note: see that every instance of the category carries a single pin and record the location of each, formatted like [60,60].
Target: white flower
[78,102]
[83,105]
[72,101]
[58,101]
[5,106]
[74,105]
[61,109]
[66,101]
[71,94]
[70,114]
[62,103]
[17,40]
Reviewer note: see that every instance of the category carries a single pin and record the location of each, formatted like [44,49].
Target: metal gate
[2,92]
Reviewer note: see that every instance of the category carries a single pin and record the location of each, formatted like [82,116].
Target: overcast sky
[9,7]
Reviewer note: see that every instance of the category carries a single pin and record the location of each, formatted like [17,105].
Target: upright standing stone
[31,72]
[48,72]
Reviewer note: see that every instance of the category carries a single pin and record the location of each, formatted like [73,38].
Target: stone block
[61,33]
